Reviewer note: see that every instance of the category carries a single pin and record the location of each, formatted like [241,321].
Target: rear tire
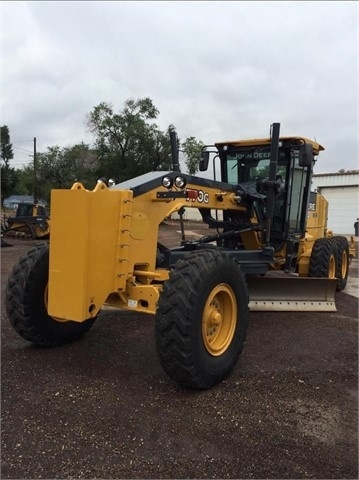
[342,261]
[202,319]
[25,302]
[323,259]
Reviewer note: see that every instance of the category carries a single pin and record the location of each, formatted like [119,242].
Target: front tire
[202,319]
[25,302]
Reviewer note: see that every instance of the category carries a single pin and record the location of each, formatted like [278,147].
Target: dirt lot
[103,407]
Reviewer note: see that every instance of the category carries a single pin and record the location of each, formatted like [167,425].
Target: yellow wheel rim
[344,264]
[219,319]
[332,269]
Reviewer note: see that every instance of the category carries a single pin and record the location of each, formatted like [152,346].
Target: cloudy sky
[217,70]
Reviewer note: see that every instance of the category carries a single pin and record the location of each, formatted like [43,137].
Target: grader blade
[292,294]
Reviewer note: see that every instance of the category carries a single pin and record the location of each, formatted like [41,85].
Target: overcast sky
[216,70]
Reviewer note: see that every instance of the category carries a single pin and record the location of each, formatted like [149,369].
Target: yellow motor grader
[268,249]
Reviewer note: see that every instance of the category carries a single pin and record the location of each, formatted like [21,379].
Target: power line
[30,140]
[22,149]
[18,163]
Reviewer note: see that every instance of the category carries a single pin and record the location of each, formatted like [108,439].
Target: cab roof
[267,141]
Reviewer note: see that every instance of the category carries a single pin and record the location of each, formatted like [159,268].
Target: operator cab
[247,164]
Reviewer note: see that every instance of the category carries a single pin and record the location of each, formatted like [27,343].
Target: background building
[342,192]
[14,200]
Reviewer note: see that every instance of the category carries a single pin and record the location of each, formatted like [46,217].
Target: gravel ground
[103,408]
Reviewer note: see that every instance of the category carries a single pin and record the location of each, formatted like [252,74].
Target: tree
[25,184]
[192,149]
[129,143]
[8,174]
[6,147]
[59,168]
[83,164]
[9,179]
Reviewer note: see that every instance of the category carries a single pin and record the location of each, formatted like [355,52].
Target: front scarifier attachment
[89,249]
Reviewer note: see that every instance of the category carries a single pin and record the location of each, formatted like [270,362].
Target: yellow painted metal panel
[267,141]
[88,249]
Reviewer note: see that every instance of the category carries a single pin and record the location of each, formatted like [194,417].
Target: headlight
[180,182]
[111,182]
[167,182]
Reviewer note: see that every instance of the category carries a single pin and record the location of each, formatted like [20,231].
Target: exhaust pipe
[174,150]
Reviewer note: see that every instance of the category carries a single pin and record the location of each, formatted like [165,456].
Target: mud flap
[292,294]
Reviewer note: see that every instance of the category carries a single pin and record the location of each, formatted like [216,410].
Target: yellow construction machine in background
[30,221]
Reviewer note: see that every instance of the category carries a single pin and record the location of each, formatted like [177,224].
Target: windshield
[24,210]
[251,165]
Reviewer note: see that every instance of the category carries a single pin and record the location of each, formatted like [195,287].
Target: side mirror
[204,160]
[306,157]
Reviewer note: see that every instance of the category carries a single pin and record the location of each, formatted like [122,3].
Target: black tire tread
[25,305]
[319,260]
[341,245]
[173,320]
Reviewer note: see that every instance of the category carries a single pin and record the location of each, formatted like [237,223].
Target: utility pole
[35,173]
